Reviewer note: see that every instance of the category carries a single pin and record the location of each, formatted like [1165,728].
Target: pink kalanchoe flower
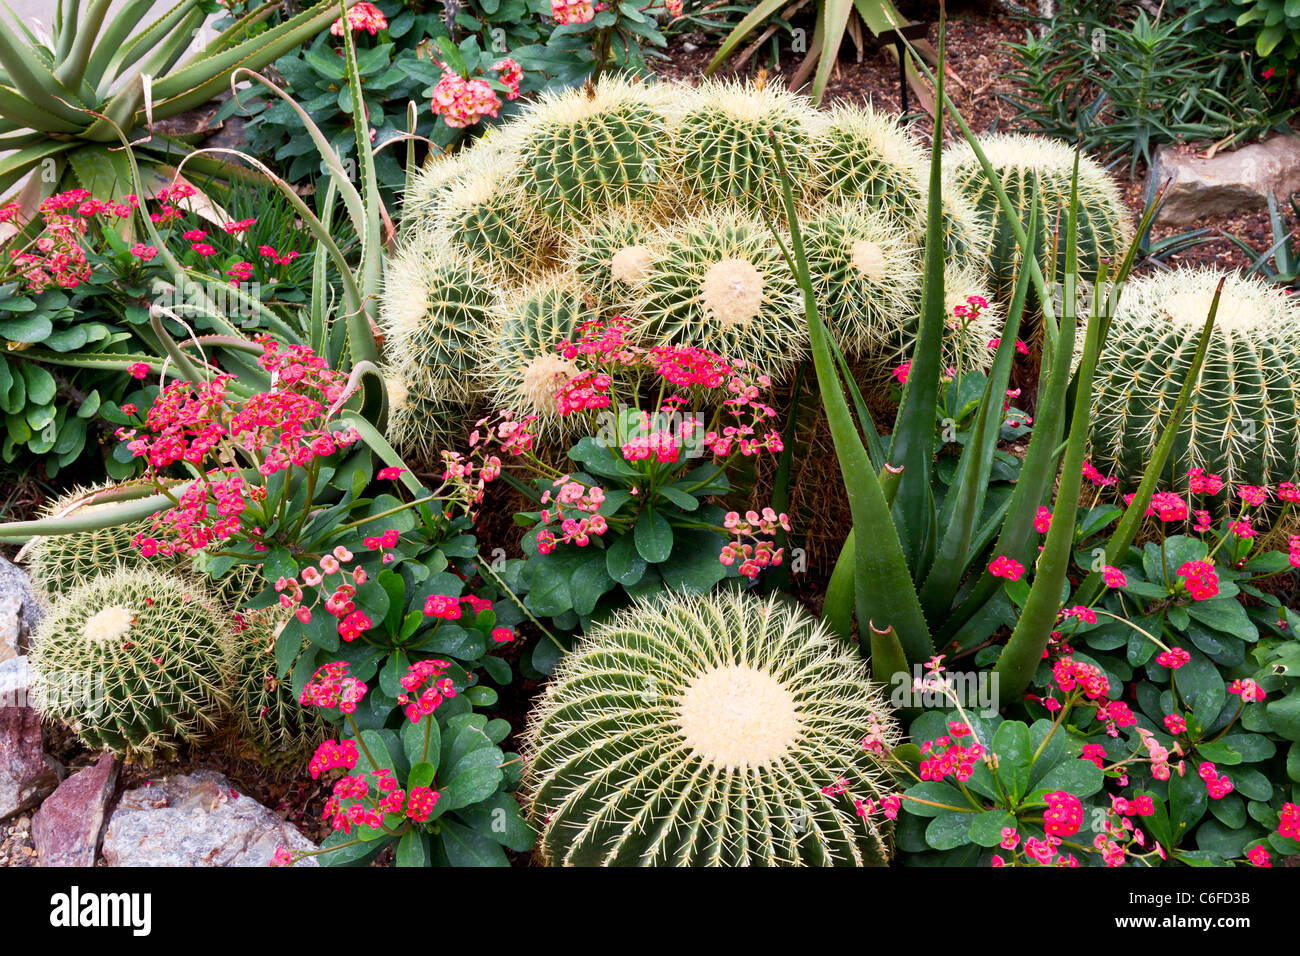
[1004,567]
[1042,520]
[572,11]
[1200,482]
[1114,577]
[1252,494]
[1288,492]
[143,252]
[1250,692]
[390,474]
[462,102]
[1173,658]
[1258,856]
[138,369]
[1168,506]
[1175,724]
[902,372]
[1096,477]
[362,16]
[512,75]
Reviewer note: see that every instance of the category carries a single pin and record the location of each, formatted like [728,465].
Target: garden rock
[66,828]
[196,819]
[1230,182]
[19,612]
[26,776]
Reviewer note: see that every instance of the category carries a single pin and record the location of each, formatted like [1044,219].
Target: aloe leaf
[966,495]
[34,80]
[1134,515]
[756,16]
[840,597]
[117,59]
[836,13]
[72,67]
[107,516]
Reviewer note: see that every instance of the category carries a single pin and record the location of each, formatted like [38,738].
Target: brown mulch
[980,79]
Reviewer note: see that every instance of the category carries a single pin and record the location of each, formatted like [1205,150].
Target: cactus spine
[135,661]
[279,729]
[701,731]
[1021,161]
[1243,422]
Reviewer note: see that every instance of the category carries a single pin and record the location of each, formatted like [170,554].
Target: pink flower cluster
[333,686]
[362,16]
[1064,813]
[1200,579]
[1219,786]
[572,11]
[760,528]
[331,754]
[950,755]
[352,623]
[1071,675]
[1004,567]
[201,425]
[421,703]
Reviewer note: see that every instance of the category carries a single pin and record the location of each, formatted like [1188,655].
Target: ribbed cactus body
[519,365]
[865,156]
[434,302]
[723,144]
[1243,422]
[484,213]
[701,731]
[58,563]
[1021,161]
[135,661]
[866,272]
[719,282]
[613,258]
[270,720]
[423,416]
[589,150]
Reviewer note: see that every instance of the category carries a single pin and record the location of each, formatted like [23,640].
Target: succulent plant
[435,301]
[719,282]
[58,563]
[422,418]
[481,211]
[1019,161]
[866,156]
[866,271]
[587,150]
[612,258]
[701,730]
[722,144]
[280,730]
[518,364]
[1243,422]
[135,661]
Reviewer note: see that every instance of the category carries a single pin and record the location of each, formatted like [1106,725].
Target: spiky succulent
[58,563]
[723,143]
[701,730]
[591,149]
[613,259]
[518,365]
[280,730]
[719,282]
[1243,422]
[866,272]
[483,212]
[435,301]
[135,661]
[866,156]
[422,418]
[1020,161]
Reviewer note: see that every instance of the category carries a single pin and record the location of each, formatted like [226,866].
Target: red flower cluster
[333,686]
[1200,579]
[949,755]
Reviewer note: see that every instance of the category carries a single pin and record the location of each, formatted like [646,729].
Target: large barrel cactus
[653,202]
[1020,161]
[135,661]
[1243,422]
[279,730]
[715,730]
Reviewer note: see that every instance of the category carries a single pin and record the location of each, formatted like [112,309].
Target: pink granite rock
[26,775]
[65,830]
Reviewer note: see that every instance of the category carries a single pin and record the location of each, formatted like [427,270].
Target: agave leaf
[756,16]
[205,74]
[836,14]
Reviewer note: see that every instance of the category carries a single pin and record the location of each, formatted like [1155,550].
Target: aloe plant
[923,582]
[63,103]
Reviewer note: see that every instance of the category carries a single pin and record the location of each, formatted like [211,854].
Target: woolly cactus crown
[701,730]
[1243,422]
[135,661]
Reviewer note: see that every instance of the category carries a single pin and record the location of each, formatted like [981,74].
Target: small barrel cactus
[483,212]
[723,149]
[58,563]
[519,365]
[435,301]
[595,148]
[134,661]
[1019,161]
[708,730]
[719,282]
[613,259]
[1243,422]
[270,720]
[866,272]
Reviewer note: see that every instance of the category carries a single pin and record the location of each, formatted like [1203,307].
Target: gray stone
[26,775]
[66,828]
[19,611]
[197,819]
[1230,182]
